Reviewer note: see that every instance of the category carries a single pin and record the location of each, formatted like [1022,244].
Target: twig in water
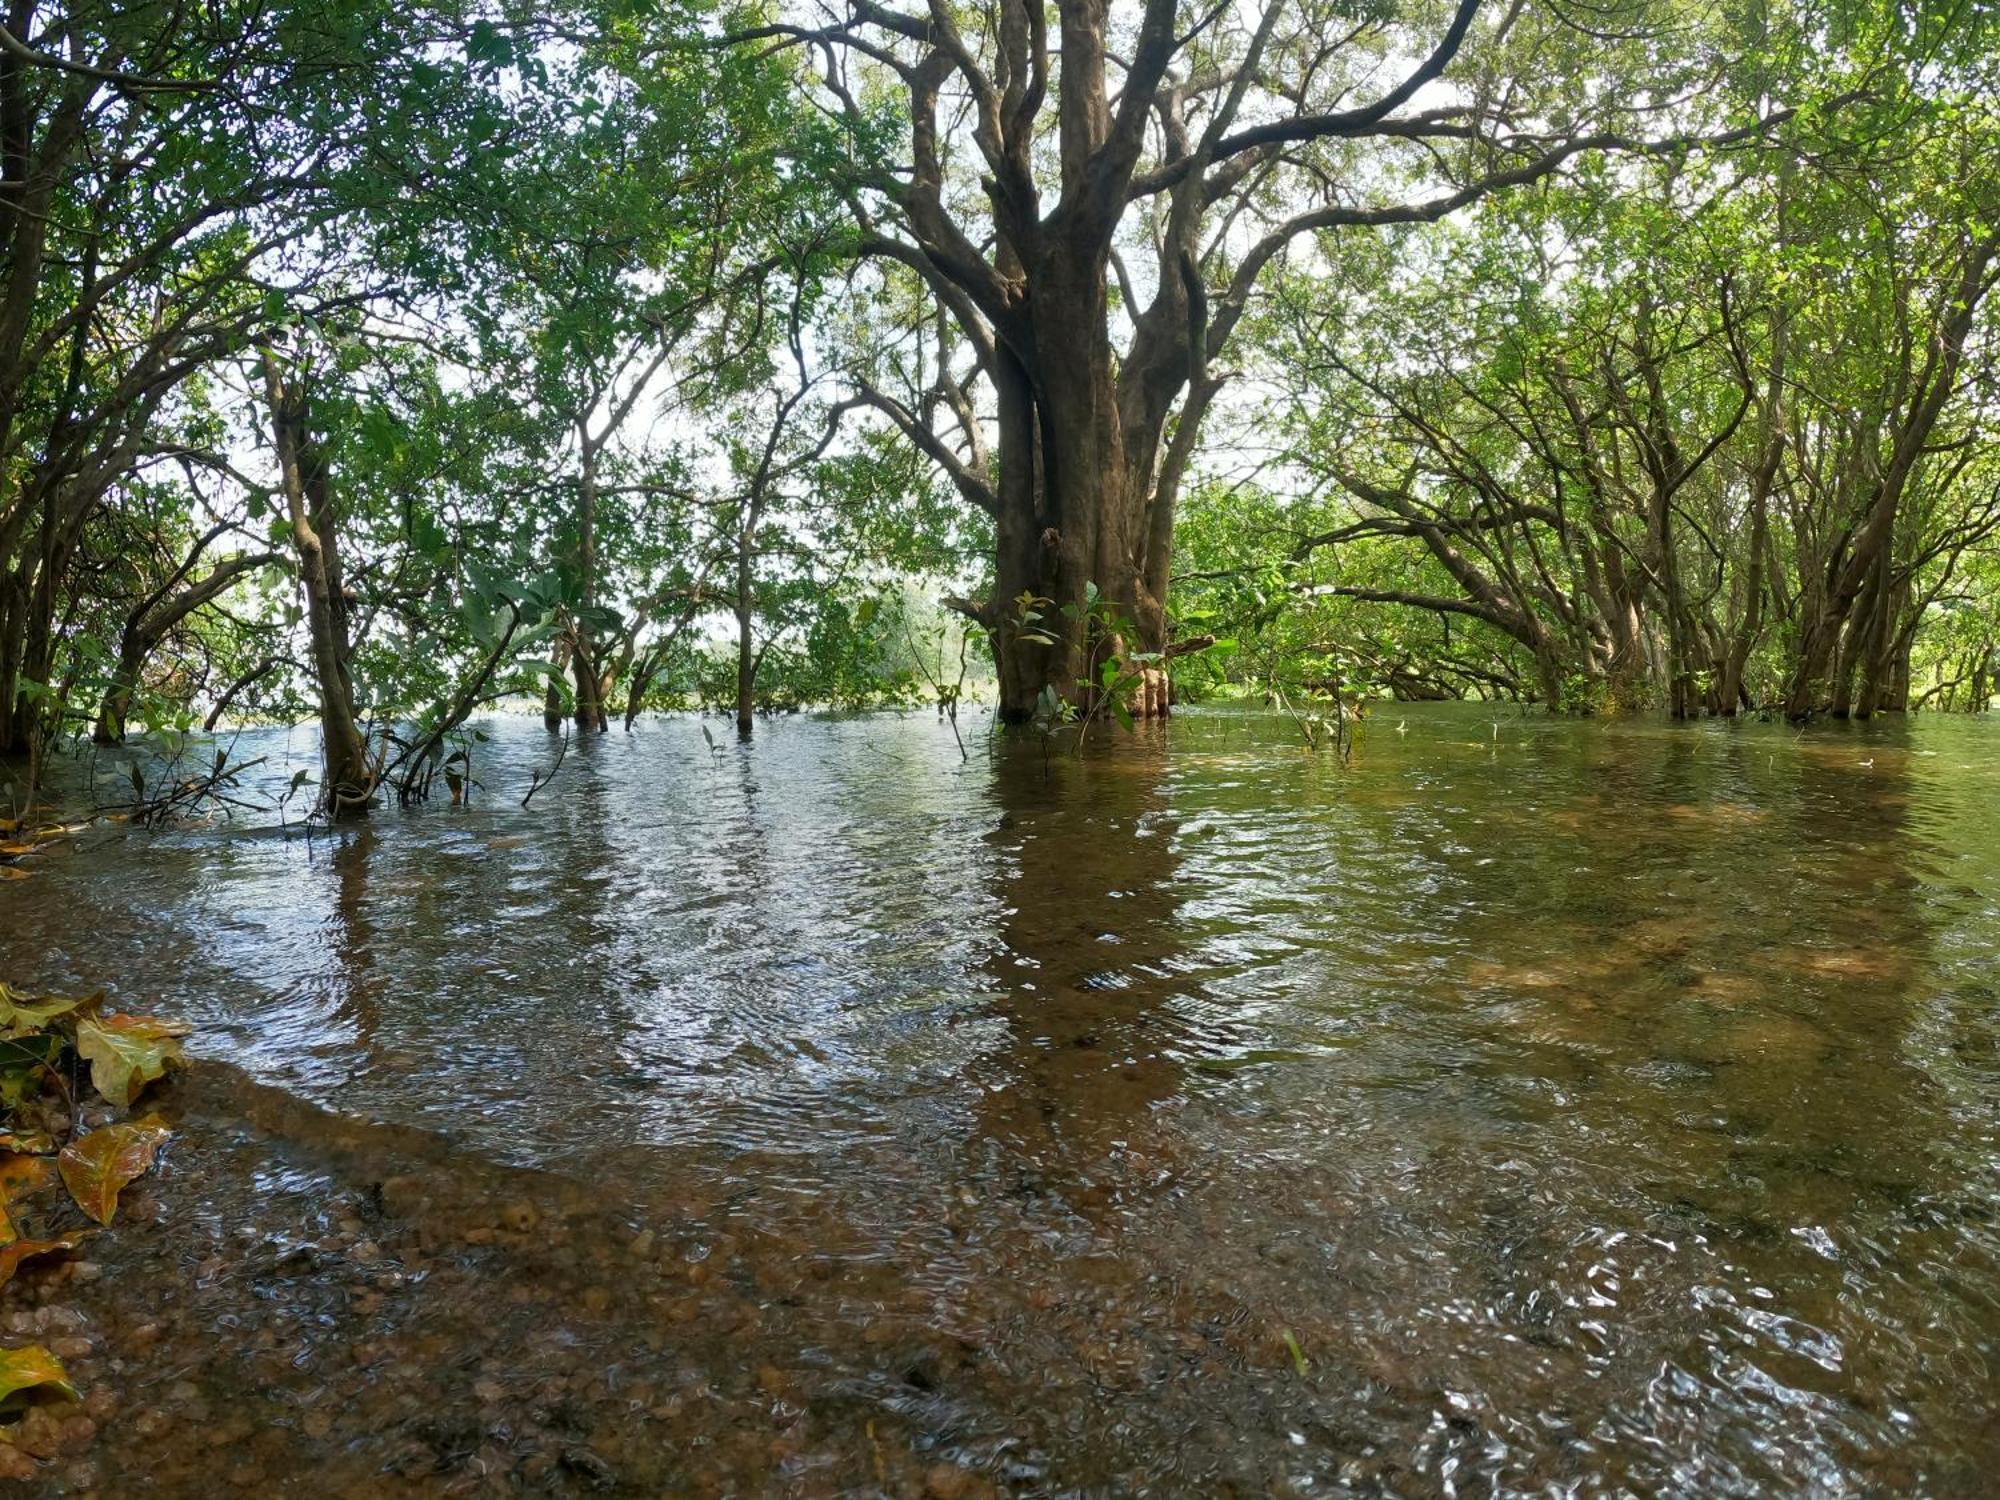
[540,779]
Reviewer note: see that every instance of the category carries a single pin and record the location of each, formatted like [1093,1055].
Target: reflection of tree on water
[1089,959]
[355,980]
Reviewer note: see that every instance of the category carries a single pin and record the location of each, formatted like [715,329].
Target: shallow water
[1526,1106]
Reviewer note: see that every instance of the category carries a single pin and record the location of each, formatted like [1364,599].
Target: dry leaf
[12,1256]
[95,1168]
[126,1053]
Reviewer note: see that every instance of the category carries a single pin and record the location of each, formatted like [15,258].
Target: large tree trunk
[1082,503]
[349,783]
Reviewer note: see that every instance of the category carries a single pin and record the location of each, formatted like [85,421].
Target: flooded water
[1526,1107]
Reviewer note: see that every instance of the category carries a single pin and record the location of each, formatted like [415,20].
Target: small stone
[643,1245]
[316,1424]
[150,1423]
[365,1253]
[947,1482]
[404,1197]
[71,1348]
[519,1217]
[40,1433]
[85,1270]
[16,1465]
[77,1432]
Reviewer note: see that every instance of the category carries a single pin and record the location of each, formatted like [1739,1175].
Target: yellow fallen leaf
[12,1256]
[126,1053]
[95,1168]
[32,1373]
[15,850]
[13,872]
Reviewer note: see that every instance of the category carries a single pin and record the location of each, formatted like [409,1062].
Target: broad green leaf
[126,1053]
[96,1168]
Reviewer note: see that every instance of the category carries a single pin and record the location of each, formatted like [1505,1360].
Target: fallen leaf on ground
[14,872]
[13,1256]
[23,1174]
[32,1372]
[95,1168]
[20,1013]
[23,1061]
[126,1053]
[18,1176]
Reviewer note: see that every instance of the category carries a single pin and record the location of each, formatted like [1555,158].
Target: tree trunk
[746,646]
[349,781]
[585,667]
[153,619]
[111,714]
[1076,511]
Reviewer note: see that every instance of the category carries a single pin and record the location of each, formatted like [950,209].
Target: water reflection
[1529,1107]
[1091,958]
[356,981]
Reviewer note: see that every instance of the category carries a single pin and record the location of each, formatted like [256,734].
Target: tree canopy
[382,363]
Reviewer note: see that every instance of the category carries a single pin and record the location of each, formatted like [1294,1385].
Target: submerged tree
[1703,434]
[1094,203]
